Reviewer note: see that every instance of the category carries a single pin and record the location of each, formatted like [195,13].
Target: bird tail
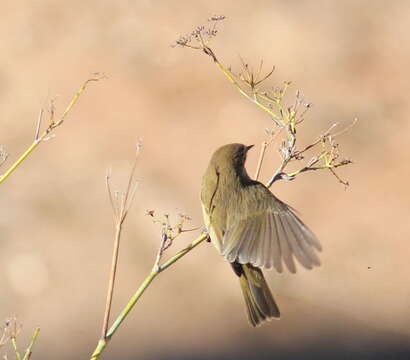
[259,301]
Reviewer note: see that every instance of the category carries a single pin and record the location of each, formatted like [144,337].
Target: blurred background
[349,58]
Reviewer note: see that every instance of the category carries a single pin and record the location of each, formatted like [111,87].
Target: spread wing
[267,233]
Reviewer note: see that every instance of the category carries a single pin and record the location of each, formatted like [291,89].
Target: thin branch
[110,196]
[129,191]
[161,249]
[287,151]
[183,252]
[326,135]
[346,129]
[113,272]
[260,160]
[46,133]
[3,155]
[120,210]
[15,348]
[38,127]
[264,146]
[29,350]
[271,101]
[168,233]
[321,167]
[328,156]
[202,45]
[11,330]
[140,291]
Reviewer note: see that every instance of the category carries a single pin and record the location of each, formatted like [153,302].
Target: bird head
[231,155]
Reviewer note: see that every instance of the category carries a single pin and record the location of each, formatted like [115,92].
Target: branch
[3,155]
[168,233]
[120,206]
[15,348]
[29,350]
[327,159]
[10,332]
[250,83]
[271,137]
[47,133]
[140,291]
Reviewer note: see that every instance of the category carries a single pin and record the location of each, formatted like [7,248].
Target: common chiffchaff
[252,229]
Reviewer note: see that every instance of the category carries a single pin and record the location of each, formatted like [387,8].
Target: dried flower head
[201,35]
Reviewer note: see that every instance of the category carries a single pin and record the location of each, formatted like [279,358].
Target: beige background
[349,58]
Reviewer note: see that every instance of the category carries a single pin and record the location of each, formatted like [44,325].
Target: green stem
[183,252]
[254,100]
[131,303]
[47,132]
[102,343]
[19,160]
[207,50]
[30,347]
[16,351]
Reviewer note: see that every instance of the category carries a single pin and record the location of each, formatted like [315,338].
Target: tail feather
[259,301]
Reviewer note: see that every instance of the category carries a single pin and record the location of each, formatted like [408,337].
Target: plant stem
[29,350]
[19,160]
[46,132]
[113,272]
[16,351]
[120,212]
[260,160]
[253,99]
[137,295]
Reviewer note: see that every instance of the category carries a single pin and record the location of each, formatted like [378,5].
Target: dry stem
[120,206]
[48,132]
[10,332]
[102,344]
[168,233]
[285,117]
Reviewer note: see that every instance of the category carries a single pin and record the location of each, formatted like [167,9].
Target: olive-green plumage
[252,229]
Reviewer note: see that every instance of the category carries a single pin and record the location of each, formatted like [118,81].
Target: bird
[252,229]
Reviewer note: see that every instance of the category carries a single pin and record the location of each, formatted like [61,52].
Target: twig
[168,234]
[318,141]
[260,160]
[3,155]
[16,351]
[10,332]
[140,291]
[247,82]
[328,157]
[46,133]
[202,36]
[120,211]
[38,127]
[264,146]
[161,249]
[120,206]
[29,350]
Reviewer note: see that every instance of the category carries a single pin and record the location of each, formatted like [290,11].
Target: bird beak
[249,147]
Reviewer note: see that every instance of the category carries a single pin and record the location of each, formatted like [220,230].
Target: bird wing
[214,216]
[266,232]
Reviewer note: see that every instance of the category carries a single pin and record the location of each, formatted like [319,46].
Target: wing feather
[302,240]
[284,244]
[293,242]
[269,235]
[274,255]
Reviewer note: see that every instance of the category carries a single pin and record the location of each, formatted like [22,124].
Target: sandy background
[349,58]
